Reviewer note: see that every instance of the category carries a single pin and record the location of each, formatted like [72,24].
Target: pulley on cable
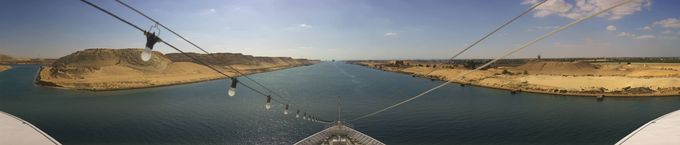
[269,103]
[232,89]
[151,40]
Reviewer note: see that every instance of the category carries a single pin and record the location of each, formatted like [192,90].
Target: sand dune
[113,69]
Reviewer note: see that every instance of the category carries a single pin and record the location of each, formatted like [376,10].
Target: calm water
[201,113]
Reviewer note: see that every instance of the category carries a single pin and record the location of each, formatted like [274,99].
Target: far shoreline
[515,90]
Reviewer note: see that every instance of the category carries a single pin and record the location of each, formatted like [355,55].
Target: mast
[339,124]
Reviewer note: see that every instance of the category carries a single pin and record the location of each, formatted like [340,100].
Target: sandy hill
[92,60]
[111,69]
[558,68]
[216,59]
[5,57]
[239,59]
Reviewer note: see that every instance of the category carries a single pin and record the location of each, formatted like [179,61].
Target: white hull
[339,135]
[664,130]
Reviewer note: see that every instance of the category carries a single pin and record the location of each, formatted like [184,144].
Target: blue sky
[346,29]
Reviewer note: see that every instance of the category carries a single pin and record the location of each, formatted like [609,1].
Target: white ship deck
[16,131]
[339,135]
[664,130]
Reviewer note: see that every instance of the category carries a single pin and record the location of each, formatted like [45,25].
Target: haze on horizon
[346,29]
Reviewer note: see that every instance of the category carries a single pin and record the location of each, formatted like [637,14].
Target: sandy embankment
[5,67]
[563,78]
[115,69]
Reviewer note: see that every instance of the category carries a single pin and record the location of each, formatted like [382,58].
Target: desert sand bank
[116,69]
[561,78]
[6,59]
[5,67]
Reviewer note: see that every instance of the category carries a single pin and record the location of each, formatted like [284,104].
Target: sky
[346,29]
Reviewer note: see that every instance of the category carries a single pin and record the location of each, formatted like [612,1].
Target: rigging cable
[450,61]
[185,54]
[200,48]
[498,58]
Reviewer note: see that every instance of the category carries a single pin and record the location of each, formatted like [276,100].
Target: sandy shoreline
[613,84]
[137,83]
[5,67]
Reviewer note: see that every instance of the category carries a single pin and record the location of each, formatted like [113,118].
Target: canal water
[202,113]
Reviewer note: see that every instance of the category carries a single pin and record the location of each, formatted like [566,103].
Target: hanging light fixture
[151,40]
[232,89]
[285,111]
[297,115]
[304,116]
[269,103]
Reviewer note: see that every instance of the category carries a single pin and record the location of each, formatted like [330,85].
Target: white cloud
[669,23]
[668,37]
[626,34]
[305,26]
[643,37]
[547,27]
[611,28]
[299,27]
[667,32]
[208,11]
[541,28]
[634,36]
[582,8]
[548,8]
[647,28]
[391,34]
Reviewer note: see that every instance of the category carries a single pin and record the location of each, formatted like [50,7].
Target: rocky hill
[92,60]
